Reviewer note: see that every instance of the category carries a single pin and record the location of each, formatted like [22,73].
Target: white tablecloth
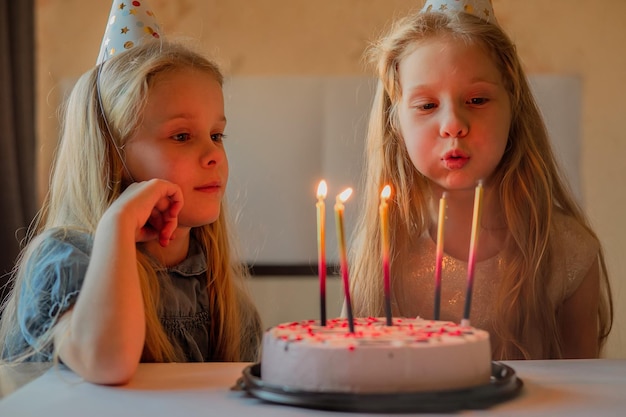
[551,388]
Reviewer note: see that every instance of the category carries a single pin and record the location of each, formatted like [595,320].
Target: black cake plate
[504,385]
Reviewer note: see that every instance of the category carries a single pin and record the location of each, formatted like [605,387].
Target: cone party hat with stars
[129,23]
[479,8]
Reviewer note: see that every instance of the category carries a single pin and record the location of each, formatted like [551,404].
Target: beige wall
[584,38]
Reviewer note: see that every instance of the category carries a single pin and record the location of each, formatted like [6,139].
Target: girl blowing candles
[453,107]
[131,260]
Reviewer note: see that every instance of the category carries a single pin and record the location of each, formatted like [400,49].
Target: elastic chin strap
[106,123]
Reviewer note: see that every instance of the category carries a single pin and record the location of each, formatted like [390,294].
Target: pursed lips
[455,159]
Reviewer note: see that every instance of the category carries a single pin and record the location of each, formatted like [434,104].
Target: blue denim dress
[55,276]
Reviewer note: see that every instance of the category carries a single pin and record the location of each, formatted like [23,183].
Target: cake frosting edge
[412,355]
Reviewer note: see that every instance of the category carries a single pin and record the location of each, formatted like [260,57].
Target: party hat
[479,8]
[130,22]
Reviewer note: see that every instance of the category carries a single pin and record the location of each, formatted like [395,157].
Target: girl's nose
[454,124]
[213,153]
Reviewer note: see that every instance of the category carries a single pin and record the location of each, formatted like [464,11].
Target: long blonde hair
[530,188]
[89,174]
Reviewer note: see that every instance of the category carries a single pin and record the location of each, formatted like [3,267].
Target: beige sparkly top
[574,252]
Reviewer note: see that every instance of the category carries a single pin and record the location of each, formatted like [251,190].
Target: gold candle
[321,247]
[439,254]
[343,256]
[383,210]
[471,262]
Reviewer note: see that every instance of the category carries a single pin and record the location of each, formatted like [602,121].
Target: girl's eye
[181,137]
[218,137]
[425,107]
[478,101]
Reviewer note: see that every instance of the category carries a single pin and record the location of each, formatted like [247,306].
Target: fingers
[167,231]
[164,219]
[168,209]
[156,204]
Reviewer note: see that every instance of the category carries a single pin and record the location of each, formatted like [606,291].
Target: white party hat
[479,8]
[129,23]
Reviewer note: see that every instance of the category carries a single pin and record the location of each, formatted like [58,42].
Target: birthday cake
[411,355]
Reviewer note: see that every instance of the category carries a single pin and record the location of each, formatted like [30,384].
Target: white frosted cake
[412,355]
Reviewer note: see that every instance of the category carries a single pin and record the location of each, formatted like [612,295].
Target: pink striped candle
[439,256]
[471,262]
[383,210]
[343,256]
[321,247]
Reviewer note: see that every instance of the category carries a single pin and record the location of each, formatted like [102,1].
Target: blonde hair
[89,174]
[530,188]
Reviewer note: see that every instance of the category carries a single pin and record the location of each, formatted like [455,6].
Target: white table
[551,388]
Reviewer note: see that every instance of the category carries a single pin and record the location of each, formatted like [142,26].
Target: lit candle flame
[345,195]
[322,190]
[386,192]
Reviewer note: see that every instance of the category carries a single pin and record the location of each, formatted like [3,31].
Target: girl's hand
[106,348]
[153,207]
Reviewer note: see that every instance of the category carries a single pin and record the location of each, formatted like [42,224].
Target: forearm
[105,332]
[103,337]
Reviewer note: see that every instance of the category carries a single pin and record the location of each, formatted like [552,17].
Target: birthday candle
[439,256]
[343,257]
[383,210]
[471,262]
[321,247]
